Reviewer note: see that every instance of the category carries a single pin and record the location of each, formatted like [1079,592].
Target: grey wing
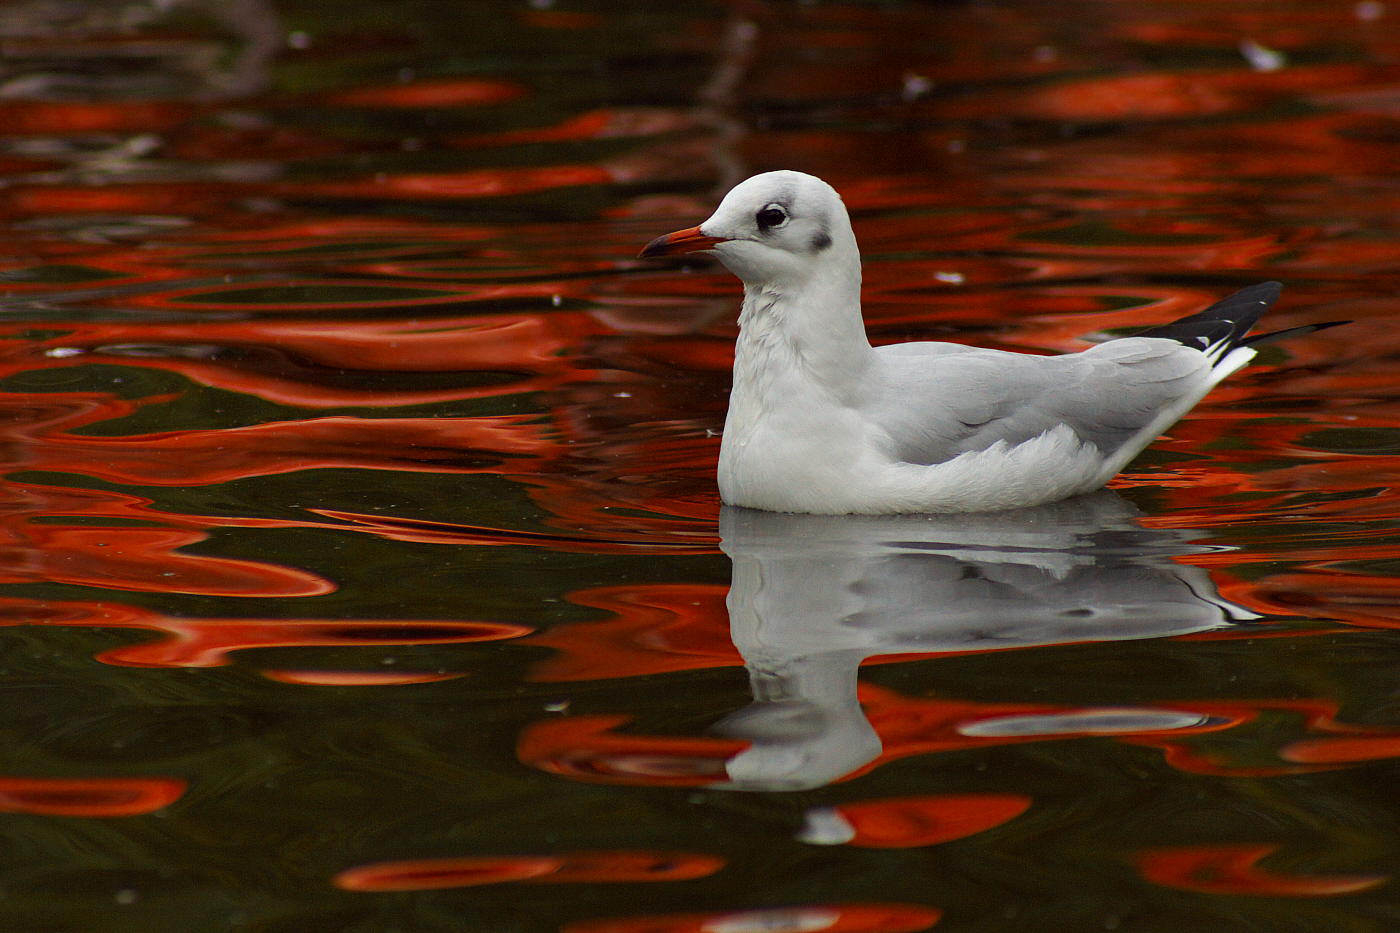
[935,402]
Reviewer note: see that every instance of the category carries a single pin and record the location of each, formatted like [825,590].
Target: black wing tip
[1224,322]
[1265,293]
[1290,332]
[1272,287]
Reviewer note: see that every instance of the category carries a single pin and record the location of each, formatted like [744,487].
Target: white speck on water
[389,661]
[126,896]
[1368,11]
[556,300]
[915,86]
[622,395]
[781,920]
[825,826]
[558,706]
[1262,58]
[951,278]
[60,353]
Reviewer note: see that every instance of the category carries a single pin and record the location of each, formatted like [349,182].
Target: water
[364,568]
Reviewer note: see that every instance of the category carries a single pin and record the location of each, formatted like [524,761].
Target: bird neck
[811,326]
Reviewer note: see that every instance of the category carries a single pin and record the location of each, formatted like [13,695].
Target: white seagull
[820,421]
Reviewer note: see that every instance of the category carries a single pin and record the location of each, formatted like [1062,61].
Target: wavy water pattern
[361,552]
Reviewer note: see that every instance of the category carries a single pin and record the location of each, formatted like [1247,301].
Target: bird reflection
[812,596]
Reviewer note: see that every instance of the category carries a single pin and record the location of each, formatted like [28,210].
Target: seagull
[820,421]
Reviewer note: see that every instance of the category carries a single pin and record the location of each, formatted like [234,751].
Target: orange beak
[689,240]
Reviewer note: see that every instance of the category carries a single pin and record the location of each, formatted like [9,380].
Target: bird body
[820,421]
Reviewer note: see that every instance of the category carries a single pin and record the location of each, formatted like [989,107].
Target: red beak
[689,240]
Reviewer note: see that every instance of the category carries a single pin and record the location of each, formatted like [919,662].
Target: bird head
[778,226]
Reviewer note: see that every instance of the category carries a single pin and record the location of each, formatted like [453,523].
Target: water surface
[364,568]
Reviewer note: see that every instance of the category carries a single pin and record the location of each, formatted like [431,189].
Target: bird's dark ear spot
[820,241]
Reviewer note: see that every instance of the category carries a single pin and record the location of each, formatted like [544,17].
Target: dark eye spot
[770,217]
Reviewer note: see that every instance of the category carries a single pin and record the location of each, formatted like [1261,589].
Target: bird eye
[771,216]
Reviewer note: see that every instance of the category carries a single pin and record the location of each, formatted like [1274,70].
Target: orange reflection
[355,678]
[564,868]
[206,457]
[208,642]
[585,748]
[815,918]
[443,92]
[72,117]
[449,343]
[147,560]
[1343,750]
[904,822]
[92,797]
[596,749]
[1233,869]
[655,629]
[491,183]
[606,123]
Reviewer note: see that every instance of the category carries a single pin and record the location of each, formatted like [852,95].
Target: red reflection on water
[208,642]
[815,918]
[1281,27]
[527,350]
[904,822]
[49,438]
[442,92]
[206,457]
[655,629]
[92,797]
[1343,750]
[145,560]
[586,748]
[1233,869]
[918,726]
[606,123]
[485,183]
[595,748]
[355,678]
[73,117]
[1021,235]
[1163,95]
[563,868]
[163,198]
[544,18]
[599,539]
[88,538]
